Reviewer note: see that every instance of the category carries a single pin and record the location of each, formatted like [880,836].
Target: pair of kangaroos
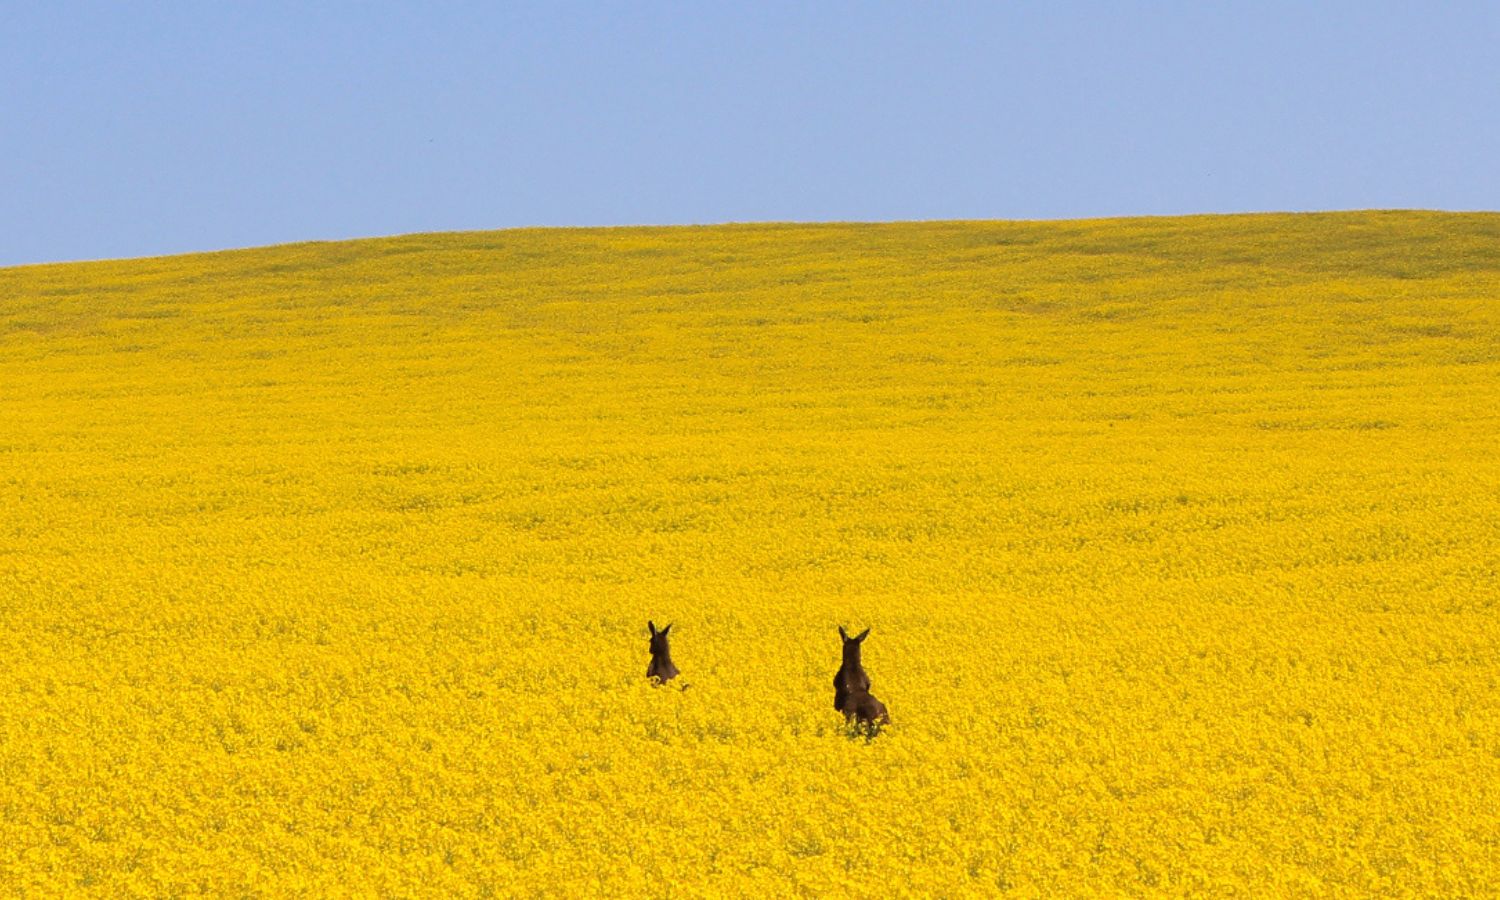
[851,686]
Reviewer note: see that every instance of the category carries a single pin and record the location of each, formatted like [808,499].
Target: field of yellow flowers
[325,568]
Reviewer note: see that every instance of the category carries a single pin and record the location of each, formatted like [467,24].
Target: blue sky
[142,129]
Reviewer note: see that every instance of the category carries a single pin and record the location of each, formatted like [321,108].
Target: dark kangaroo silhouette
[662,668]
[851,686]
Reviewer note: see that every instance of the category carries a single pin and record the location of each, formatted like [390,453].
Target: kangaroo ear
[667,629]
[651,625]
[843,634]
[862,635]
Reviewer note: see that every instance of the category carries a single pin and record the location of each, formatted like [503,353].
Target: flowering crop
[326,568]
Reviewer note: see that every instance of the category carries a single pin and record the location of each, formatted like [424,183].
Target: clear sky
[131,129]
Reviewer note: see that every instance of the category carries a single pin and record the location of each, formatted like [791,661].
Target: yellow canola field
[325,568]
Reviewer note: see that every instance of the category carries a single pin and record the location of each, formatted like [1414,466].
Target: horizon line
[744,223]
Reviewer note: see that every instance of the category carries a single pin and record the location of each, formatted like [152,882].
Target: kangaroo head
[659,639]
[851,644]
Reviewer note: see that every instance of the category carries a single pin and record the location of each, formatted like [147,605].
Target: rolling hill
[326,567]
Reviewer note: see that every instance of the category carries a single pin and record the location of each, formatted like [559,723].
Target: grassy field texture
[326,568]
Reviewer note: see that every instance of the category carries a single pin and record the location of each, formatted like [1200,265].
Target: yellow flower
[326,568]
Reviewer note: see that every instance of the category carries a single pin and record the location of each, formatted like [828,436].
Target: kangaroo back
[851,685]
[661,669]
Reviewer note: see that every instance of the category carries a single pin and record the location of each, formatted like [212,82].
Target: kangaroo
[661,669]
[851,686]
